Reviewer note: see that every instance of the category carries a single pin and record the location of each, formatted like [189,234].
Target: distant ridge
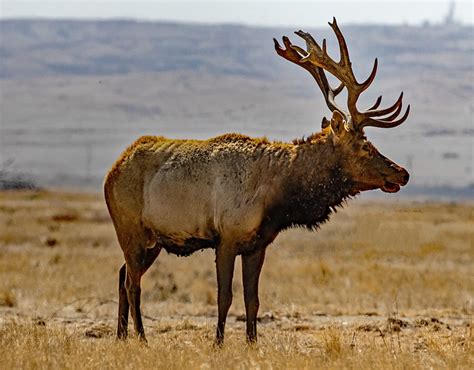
[32,47]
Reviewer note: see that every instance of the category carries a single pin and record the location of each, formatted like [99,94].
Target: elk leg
[225,271]
[136,267]
[122,329]
[251,268]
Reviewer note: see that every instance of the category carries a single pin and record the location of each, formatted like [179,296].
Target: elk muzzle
[398,178]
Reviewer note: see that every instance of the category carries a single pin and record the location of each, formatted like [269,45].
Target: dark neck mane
[313,187]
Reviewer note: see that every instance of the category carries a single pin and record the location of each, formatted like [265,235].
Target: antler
[295,54]
[316,59]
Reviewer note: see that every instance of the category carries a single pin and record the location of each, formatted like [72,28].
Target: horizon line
[225,23]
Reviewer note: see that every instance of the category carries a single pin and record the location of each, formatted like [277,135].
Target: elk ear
[338,123]
[325,123]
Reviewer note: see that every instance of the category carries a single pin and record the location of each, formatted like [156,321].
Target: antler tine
[364,85]
[394,114]
[346,62]
[287,53]
[344,51]
[338,89]
[382,112]
[385,123]
[311,43]
[377,103]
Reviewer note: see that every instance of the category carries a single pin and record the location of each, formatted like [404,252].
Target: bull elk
[235,194]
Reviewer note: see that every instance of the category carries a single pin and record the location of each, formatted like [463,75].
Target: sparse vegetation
[7,298]
[380,286]
[12,180]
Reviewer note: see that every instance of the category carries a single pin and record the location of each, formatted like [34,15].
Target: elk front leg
[225,271]
[251,268]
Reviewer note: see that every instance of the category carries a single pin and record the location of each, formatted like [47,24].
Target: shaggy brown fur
[232,193]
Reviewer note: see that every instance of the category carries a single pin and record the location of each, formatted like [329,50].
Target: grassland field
[382,285]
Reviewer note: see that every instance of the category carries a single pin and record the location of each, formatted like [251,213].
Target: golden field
[382,285]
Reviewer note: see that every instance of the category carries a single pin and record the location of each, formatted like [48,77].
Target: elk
[235,194]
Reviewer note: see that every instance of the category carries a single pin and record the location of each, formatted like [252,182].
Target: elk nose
[405,176]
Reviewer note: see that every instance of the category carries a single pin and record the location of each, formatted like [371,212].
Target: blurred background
[82,80]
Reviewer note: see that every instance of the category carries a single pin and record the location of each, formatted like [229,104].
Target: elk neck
[312,186]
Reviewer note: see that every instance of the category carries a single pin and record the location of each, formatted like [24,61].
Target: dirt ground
[382,285]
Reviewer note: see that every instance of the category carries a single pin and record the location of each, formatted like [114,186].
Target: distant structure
[449,18]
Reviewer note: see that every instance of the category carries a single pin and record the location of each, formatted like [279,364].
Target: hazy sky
[300,13]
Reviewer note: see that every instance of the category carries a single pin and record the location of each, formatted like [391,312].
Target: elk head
[359,159]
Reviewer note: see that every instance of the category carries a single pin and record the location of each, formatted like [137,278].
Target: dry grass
[29,345]
[382,285]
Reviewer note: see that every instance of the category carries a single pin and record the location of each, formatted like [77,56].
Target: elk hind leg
[122,328]
[137,264]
